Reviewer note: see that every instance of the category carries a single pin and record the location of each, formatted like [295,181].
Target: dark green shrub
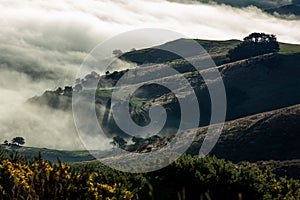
[196,178]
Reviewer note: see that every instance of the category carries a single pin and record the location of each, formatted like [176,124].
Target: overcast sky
[42,44]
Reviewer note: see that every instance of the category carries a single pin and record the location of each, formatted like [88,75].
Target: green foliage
[101,93]
[289,48]
[39,179]
[18,140]
[186,178]
[211,178]
[118,141]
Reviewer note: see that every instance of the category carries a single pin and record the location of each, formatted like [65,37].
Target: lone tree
[118,141]
[253,45]
[18,141]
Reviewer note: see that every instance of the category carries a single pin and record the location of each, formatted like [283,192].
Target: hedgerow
[186,178]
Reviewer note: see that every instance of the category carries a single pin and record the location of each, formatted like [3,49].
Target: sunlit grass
[289,48]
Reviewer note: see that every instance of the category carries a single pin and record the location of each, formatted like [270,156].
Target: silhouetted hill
[280,8]
[263,4]
[291,9]
[269,139]
[272,135]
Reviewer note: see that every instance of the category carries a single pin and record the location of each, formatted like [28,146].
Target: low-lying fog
[43,43]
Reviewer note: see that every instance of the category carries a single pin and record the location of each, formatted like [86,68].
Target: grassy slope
[216,49]
[51,154]
[289,48]
[266,136]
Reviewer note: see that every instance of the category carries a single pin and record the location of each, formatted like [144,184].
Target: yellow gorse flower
[20,173]
[30,182]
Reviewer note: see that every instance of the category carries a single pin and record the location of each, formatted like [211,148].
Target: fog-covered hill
[253,85]
[262,99]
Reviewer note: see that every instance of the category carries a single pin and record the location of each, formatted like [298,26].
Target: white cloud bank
[42,44]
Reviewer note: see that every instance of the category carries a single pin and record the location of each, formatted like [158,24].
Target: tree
[68,91]
[138,141]
[5,142]
[117,52]
[113,143]
[118,141]
[253,45]
[59,91]
[18,141]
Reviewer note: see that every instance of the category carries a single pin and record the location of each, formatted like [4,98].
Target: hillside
[216,49]
[266,136]
[252,85]
[262,101]
[268,139]
[49,154]
[292,9]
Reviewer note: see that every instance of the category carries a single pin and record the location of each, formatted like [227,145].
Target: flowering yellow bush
[41,180]
[188,177]
[16,177]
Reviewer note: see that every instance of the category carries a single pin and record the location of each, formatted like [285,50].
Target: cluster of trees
[253,45]
[137,142]
[15,141]
[118,142]
[67,91]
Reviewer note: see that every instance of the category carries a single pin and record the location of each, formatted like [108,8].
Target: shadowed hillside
[216,49]
[252,85]
[258,138]
[292,9]
[272,135]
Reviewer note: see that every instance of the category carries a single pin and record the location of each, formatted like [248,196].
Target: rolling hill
[253,85]
[49,154]
[292,9]
[262,100]
[268,139]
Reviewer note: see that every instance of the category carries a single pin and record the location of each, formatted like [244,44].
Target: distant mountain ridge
[292,9]
[280,8]
[263,4]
